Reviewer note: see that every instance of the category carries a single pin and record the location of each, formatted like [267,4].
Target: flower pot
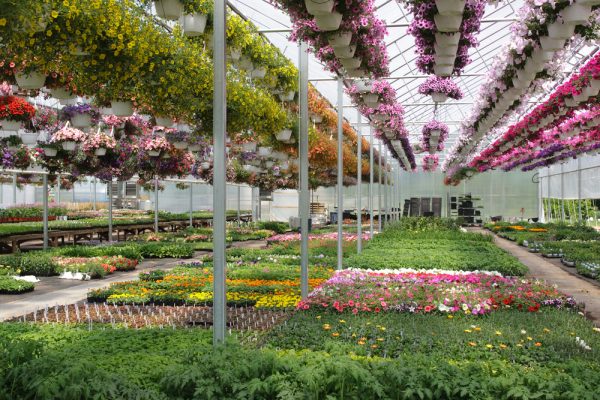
[524,76]
[595,84]
[180,145]
[541,57]
[168,9]
[532,67]
[29,138]
[576,14]
[447,40]
[380,117]
[105,111]
[329,22]
[519,84]
[318,7]
[235,54]
[581,97]
[447,23]
[12,148]
[558,30]
[248,168]
[443,70]
[340,39]
[345,51]
[81,120]
[69,145]
[590,91]
[450,7]
[164,122]
[205,165]
[550,44]
[444,60]
[194,147]
[289,96]
[249,147]
[246,64]
[259,73]
[154,153]
[363,86]
[284,135]
[10,125]
[122,108]
[62,94]
[356,73]
[316,118]
[50,151]
[193,24]
[100,151]
[390,134]
[436,133]
[269,164]
[371,99]
[588,2]
[445,50]
[31,81]
[264,151]
[79,52]
[439,97]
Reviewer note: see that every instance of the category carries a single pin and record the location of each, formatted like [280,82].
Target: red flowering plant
[16,109]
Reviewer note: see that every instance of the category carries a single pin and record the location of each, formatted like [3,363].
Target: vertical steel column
[359,184]
[219,184]
[379,188]
[549,200]
[94,187]
[562,192]
[304,195]
[340,168]
[45,205]
[155,205]
[239,214]
[14,188]
[191,205]
[370,182]
[579,216]
[110,211]
[386,187]
[58,189]
[541,217]
[73,199]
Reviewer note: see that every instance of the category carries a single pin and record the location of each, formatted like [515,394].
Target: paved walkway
[552,271]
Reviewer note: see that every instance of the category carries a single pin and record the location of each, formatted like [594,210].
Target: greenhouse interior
[299,199]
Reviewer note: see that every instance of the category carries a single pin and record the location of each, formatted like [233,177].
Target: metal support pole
[110,211]
[379,189]
[58,189]
[155,205]
[385,188]
[371,182]
[359,186]
[239,214]
[14,188]
[549,199]
[45,204]
[219,183]
[579,216]
[304,195]
[191,205]
[94,206]
[73,199]
[340,170]
[562,192]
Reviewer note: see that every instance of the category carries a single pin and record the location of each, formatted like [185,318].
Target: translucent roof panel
[419,109]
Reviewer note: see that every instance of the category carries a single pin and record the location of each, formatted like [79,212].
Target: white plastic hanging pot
[444,60]
[550,44]
[259,72]
[105,111]
[180,145]
[329,22]
[524,76]
[380,117]
[447,23]
[345,51]
[50,151]
[532,67]
[318,7]
[194,147]
[249,147]
[193,24]
[32,81]
[316,118]
[235,54]
[450,7]
[69,145]
[443,70]
[81,120]
[340,39]
[269,164]
[264,151]
[100,151]
[79,52]
[581,97]
[558,30]
[541,57]
[164,121]
[371,99]
[284,135]
[351,63]
[205,165]
[62,94]
[519,84]
[248,168]
[589,91]
[246,63]
[29,138]
[576,14]
[595,84]
[168,9]
[390,134]
[588,2]
[356,73]
[446,40]
[154,153]
[445,50]
[289,96]
[363,86]
[10,125]
[122,108]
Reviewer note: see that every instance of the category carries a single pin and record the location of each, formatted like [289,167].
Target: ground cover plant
[427,243]
[539,232]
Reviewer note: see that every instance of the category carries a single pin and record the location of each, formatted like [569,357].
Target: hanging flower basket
[69,145]
[340,39]
[154,153]
[164,122]
[576,14]
[350,63]
[284,135]
[194,147]
[249,147]
[259,72]
[122,108]
[205,165]
[30,81]
[440,89]
[345,51]
[193,24]
[319,7]
[100,151]
[316,118]
[168,9]
[155,145]
[289,96]
[371,99]
[549,44]
[180,145]
[246,64]
[14,111]
[235,54]
[62,94]
[558,30]
[50,151]
[447,23]
[29,138]
[264,151]
[329,22]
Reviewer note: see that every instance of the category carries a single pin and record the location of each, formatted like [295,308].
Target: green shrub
[39,264]
[10,285]
[279,227]
[166,250]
